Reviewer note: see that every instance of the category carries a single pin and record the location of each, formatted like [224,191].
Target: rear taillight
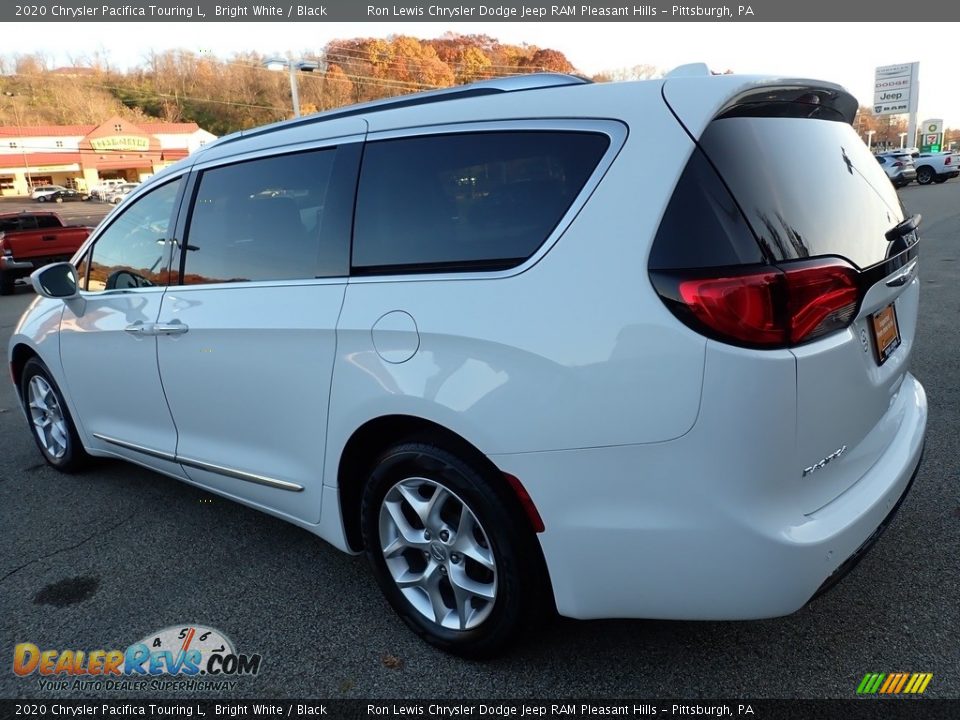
[949,158]
[898,164]
[769,307]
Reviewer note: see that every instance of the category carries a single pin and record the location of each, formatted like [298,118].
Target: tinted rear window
[807,187]
[479,200]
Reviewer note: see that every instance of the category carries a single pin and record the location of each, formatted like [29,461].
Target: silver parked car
[899,167]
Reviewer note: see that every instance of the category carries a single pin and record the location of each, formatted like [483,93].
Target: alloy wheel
[438,553]
[47,418]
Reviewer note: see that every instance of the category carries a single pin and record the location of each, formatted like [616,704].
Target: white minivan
[472,334]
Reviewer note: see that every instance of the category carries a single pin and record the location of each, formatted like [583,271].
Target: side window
[478,200]
[47,221]
[263,220]
[134,250]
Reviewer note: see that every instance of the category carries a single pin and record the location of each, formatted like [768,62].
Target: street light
[293,66]
[902,136]
[870,134]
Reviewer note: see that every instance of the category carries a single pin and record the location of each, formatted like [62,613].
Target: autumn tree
[227,94]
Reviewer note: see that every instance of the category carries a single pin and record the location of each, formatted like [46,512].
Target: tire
[42,198]
[471,535]
[50,422]
[6,283]
[925,175]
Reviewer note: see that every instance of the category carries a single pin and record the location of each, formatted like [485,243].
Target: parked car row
[111,191]
[906,165]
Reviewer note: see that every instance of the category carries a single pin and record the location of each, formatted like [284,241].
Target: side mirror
[57,281]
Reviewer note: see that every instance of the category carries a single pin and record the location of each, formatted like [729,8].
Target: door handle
[48,238]
[173,328]
[139,328]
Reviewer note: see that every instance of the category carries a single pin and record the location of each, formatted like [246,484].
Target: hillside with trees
[224,95]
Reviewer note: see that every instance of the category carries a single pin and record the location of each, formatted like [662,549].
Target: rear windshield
[807,187]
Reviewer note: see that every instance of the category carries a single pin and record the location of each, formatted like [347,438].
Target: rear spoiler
[796,101]
[698,100]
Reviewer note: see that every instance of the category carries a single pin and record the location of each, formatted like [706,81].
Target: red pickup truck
[29,240]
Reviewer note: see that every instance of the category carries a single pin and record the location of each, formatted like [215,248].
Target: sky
[845,53]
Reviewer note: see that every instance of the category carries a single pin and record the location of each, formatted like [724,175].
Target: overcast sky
[846,53]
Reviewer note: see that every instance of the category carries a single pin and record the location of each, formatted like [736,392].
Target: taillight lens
[744,308]
[949,158]
[820,299]
[773,307]
[898,164]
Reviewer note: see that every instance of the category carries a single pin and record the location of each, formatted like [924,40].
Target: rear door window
[467,201]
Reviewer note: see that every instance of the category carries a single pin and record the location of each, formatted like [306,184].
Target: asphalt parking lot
[105,558]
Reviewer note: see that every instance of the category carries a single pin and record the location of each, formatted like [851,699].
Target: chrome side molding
[201,465]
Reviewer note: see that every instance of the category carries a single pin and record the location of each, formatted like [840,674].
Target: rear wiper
[904,228]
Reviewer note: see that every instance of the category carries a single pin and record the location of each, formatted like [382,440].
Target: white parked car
[105,187]
[119,192]
[470,334]
[899,167]
[42,193]
[935,167]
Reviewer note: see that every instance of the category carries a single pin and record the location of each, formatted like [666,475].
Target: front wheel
[447,551]
[53,428]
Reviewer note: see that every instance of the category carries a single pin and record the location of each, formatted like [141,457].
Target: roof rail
[512,83]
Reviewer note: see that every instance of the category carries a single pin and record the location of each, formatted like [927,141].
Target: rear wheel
[449,555]
[42,198]
[925,175]
[53,428]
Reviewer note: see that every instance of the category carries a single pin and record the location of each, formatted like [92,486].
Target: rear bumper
[851,562]
[667,531]
[8,263]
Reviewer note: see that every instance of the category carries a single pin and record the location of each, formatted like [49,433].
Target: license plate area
[886,333]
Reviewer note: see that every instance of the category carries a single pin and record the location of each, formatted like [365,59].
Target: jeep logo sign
[890,95]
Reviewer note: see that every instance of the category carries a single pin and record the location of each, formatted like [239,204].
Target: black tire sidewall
[75,454]
[513,565]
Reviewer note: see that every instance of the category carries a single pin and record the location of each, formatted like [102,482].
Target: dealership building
[79,156]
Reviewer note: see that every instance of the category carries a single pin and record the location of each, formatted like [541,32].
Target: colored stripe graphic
[894,683]
[871,683]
